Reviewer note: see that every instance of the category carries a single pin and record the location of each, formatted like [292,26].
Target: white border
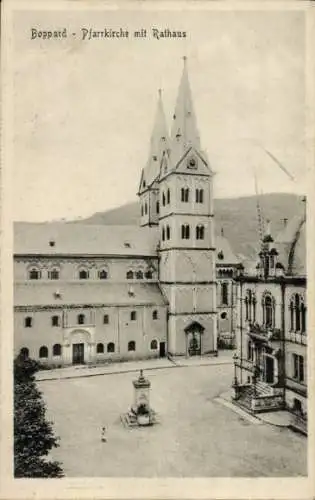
[276,488]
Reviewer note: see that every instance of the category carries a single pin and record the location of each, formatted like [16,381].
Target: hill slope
[237,217]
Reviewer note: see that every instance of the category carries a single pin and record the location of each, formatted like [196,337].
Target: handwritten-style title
[86,34]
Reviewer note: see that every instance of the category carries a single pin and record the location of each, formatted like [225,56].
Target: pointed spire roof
[184,128]
[158,144]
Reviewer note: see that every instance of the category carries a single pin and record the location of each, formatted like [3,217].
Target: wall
[116,267]
[120,330]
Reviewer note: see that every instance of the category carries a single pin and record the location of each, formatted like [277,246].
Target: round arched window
[43,352]
[111,347]
[154,345]
[100,348]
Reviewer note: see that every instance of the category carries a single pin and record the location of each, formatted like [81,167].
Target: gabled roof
[80,239]
[96,240]
[224,248]
[291,245]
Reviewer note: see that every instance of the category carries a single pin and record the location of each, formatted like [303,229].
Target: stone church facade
[88,294]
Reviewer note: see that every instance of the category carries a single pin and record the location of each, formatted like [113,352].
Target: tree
[33,434]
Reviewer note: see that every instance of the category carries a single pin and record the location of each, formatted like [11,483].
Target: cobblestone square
[196,436]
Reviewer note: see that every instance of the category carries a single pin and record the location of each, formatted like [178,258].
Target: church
[91,293]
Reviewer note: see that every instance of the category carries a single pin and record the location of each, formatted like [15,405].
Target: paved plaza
[196,436]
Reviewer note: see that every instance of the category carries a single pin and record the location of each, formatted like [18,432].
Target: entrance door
[194,346]
[78,354]
[269,370]
[162,350]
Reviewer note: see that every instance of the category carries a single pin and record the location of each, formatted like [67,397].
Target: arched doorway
[193,338]
[80,345]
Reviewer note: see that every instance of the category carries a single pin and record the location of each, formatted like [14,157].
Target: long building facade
[88,294]
[270,370]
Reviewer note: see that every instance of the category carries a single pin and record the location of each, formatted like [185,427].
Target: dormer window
[102,274]
[127,244]
[83,274]
[53,274]
[34,274]
[52,243]
[154,158]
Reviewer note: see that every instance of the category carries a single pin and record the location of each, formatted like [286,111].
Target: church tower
[187,247]
[148,189]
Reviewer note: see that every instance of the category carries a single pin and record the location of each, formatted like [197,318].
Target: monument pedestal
[140,414]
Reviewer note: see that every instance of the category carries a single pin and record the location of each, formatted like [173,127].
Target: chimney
[222,232]
[285,221]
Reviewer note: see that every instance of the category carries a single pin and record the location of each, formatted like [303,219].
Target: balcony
[296,337]
[263,333]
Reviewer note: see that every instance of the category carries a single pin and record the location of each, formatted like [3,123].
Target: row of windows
[84,274]
[166,199]
[184,196]
[297,311]
[43,351]
[185,232]
[36,274]
[100,349]
[139,275]
[81,319]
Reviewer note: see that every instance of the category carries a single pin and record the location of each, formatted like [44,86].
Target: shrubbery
[33,434]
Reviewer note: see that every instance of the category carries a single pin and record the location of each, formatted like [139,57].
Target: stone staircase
[245,398]
[261,398]
[263,389]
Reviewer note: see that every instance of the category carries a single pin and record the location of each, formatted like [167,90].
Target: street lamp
[256,373]
[235,358]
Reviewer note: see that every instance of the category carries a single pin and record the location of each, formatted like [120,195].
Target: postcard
[156,260]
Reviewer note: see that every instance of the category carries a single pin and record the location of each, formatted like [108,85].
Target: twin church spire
[184,127]
[184,133]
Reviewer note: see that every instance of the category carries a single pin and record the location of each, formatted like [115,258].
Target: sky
[83,110]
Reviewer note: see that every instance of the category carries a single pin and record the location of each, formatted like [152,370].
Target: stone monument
[140,414]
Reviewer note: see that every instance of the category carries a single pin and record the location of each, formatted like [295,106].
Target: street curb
[120,372]
[239,411]
[257,416]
